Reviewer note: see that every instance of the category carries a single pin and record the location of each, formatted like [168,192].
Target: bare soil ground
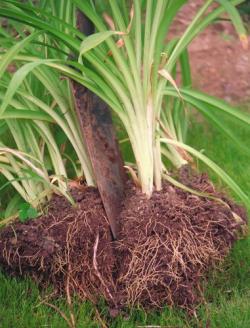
[220,65]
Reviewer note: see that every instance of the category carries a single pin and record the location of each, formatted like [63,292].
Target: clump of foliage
[41,146]
[130,66]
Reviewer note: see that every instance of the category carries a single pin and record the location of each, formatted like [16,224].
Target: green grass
[227,293]
[223,152]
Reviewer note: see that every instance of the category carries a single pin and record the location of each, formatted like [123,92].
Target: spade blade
[97,129]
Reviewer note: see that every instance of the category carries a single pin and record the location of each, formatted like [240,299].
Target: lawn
[227,294]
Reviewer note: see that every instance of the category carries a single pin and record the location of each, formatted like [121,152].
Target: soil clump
[167,244]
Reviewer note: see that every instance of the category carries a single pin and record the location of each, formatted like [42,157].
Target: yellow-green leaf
[94,40]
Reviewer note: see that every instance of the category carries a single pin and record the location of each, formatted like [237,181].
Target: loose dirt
[166,246]
[219,64]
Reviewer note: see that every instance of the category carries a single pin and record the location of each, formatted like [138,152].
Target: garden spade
[97,129]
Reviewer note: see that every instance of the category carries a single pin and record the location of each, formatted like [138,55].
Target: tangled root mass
[166,246]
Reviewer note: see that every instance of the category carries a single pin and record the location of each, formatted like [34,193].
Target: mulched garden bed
[167,244]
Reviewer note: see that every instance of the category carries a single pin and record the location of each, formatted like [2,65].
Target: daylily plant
[131,64]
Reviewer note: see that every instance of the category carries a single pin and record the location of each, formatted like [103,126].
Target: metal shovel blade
[97,129]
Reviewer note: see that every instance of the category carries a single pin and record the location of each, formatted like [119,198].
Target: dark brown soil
[170,241]
[166,246]
[57,248]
